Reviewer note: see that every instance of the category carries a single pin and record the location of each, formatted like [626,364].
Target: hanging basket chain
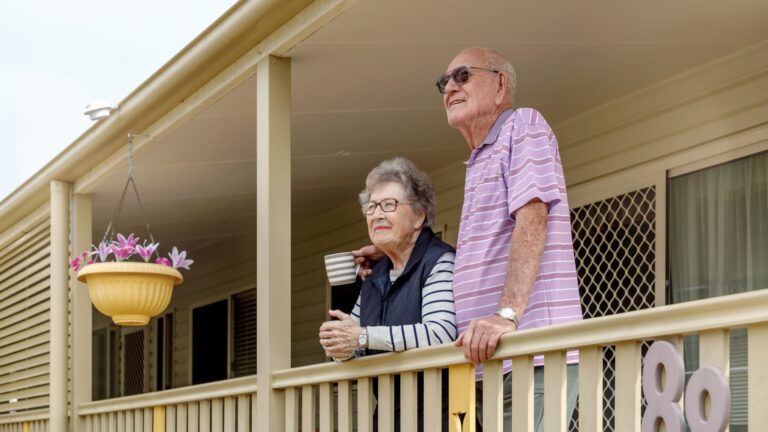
[112,225]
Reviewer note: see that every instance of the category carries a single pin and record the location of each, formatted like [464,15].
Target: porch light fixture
[98,110]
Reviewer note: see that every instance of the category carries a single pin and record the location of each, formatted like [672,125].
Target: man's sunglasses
[460,75]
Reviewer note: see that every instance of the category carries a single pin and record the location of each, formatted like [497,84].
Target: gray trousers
[538,397]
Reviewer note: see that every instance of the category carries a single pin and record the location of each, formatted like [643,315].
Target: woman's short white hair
[417,185]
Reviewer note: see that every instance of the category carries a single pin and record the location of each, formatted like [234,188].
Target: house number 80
[663,380]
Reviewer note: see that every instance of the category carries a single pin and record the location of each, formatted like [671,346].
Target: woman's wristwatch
[362,340]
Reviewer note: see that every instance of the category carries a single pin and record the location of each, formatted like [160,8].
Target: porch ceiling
[363,91]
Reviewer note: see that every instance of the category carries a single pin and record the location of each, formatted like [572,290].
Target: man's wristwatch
[362,340]
[509,314]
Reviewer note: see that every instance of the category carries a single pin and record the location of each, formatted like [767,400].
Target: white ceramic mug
[341,268]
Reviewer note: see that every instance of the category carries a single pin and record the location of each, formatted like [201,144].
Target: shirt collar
[493,133]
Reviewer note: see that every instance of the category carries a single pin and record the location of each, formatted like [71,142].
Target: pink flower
[163,261]
[124,248]
[122,253]
[80,259]
[131,241]
[179,259]
[102,251]
[145,252]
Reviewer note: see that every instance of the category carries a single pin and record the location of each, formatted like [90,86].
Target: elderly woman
[407,300]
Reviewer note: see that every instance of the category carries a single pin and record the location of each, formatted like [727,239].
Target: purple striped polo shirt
[517,162]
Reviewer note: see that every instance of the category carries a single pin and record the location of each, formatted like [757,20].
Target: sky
[58,56]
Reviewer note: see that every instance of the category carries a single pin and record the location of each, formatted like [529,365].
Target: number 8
[712,382]
[663,397]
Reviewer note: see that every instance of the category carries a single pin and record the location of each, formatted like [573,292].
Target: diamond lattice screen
[133,377]
[614,243]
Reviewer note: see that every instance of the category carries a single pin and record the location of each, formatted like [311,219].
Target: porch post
[273,235]
[82,313]
[59,290]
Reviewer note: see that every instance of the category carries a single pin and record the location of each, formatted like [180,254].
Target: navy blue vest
[383,303]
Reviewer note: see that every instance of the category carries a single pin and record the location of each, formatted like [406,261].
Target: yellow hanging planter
[130,292]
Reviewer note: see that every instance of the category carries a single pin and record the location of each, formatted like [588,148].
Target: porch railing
[221,406]
[324,393]
[27,421]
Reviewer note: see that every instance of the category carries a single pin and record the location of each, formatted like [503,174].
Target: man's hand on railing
[482,337]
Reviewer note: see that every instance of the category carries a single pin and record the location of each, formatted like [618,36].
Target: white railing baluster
[129,421]
[254,410]
[104,426]
[229,414]
[627,414]
[181,418]
[291,410]
[243,414]
[326,407]
[121,421]
[148,418]
[591,388]
[138,420]
[757,384]
[433,397]
[408,403]
[308,408]
[493,395]
[345,406]
[715,349]
[364,405]
[193,417]
[205,416]
[170,418]
[217,415]
[522,394]
[386,403]
[555,381]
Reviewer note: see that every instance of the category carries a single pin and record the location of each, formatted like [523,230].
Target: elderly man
[514,267]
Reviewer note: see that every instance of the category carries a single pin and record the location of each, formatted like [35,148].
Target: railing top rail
[219,389]
[34,415]
[733,311]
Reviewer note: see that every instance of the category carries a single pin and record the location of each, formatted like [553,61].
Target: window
[224,338]
[209,342]
[164,352]
[104,355]
[718,245]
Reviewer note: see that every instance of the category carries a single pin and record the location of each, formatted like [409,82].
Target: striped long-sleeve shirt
[438,317]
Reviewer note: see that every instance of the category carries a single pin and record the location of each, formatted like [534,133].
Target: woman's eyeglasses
[387,205]
[460,75]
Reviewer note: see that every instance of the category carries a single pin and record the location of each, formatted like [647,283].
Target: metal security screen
[614,242]
[133,377]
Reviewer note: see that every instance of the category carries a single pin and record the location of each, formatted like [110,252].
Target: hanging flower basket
[130,292]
